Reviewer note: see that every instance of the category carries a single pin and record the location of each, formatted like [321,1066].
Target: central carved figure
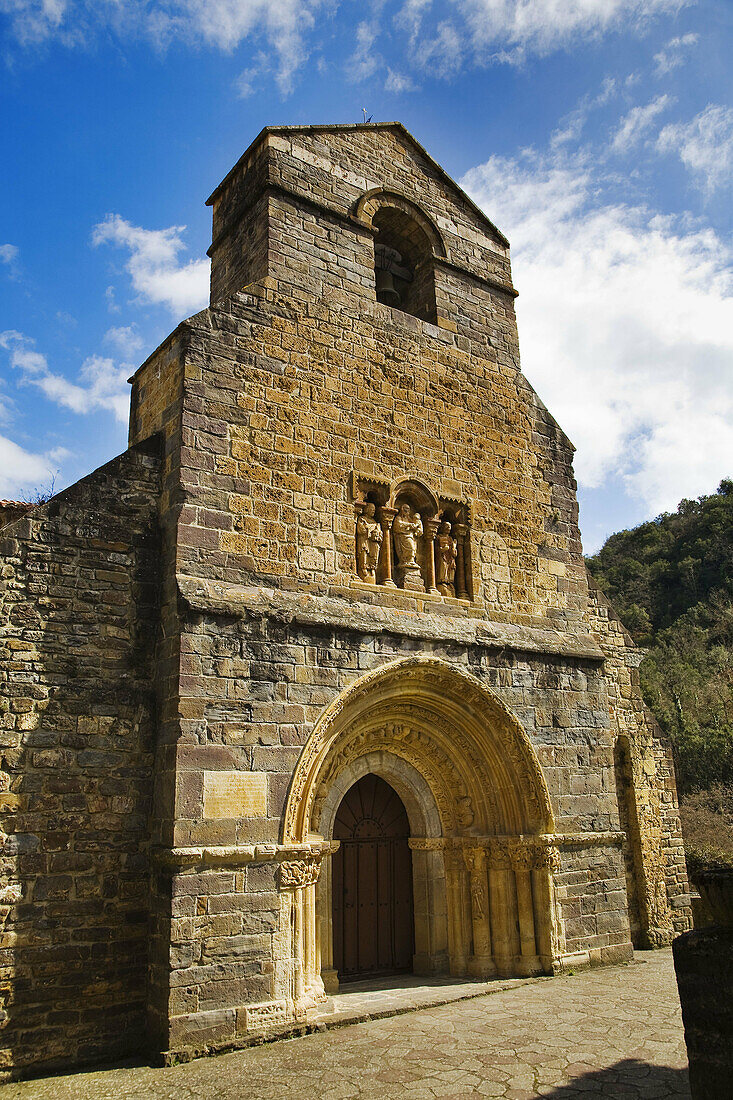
[408,528]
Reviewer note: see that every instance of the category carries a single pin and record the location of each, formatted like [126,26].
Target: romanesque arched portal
[479,815]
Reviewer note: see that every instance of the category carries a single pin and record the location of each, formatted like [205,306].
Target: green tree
[671,581]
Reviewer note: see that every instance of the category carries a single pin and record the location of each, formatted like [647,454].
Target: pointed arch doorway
[373,920]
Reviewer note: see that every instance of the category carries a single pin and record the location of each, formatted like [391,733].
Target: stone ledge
[232,855]
[219,598]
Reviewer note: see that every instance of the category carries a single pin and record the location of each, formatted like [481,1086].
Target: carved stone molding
[300,872]
[479,721]
[182,860]
[417,749]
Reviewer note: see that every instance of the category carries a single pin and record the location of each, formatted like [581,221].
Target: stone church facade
[311,683]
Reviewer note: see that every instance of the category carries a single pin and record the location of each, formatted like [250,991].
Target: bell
[386,292]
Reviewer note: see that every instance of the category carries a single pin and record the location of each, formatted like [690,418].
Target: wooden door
[373,927]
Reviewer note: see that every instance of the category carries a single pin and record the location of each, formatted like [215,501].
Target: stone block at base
[703,962]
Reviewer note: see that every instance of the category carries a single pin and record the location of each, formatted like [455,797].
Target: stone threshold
[360,1002]
[380,998]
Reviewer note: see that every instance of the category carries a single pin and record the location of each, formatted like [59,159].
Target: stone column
[548,930]
[312,970]
[299,950]
[300,876]
[455,874]
[386,564]
[528,962]
[481,964]
[460,530]
[325,904]
[430,527]
[499,906]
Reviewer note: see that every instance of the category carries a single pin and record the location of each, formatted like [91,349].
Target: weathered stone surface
[269,659]
[78,618]
[548,1038]
[241,794]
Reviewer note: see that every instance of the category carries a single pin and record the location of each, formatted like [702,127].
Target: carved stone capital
[386,515]
[300,872]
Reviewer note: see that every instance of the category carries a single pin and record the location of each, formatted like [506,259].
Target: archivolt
[473,753]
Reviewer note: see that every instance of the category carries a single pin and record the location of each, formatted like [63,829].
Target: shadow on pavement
[629,1078]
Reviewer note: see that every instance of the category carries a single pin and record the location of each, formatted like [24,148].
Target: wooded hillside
[671,582]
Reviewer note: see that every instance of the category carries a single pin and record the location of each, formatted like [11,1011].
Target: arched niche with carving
[406,243]
[408,536]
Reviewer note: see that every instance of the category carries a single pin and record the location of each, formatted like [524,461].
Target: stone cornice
[237,855]
[231,856]
[548,840]
[309,609]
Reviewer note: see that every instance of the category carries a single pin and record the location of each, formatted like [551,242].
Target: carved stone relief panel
[407,536]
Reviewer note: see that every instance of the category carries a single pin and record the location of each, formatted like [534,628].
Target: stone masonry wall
[78,622]
[280,406]
[253,687]
[275,398]
[330,171]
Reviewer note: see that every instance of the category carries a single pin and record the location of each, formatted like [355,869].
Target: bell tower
[361,211]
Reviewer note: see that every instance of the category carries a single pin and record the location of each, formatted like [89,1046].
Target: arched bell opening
[403,264]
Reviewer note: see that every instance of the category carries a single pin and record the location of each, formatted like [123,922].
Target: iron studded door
[372,882]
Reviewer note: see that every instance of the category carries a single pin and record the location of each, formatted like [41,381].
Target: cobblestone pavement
[614,1032]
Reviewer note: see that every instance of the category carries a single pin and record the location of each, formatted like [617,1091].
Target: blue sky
[597,134]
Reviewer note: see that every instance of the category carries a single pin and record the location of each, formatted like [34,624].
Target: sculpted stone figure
[447,554]
[407,528]
[369,537]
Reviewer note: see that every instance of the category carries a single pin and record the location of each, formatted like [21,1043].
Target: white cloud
[571,127]
[363,62]
[109,296]
[441,54]
[126,338]
[23,472]
[626,325]
[513,28]
[671,55]
[398,82]
[637,123]
[246,82]
[704,145]
[102,384]
[8,254]
[489,30]
[220,24]
[153,265]
[33,21]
